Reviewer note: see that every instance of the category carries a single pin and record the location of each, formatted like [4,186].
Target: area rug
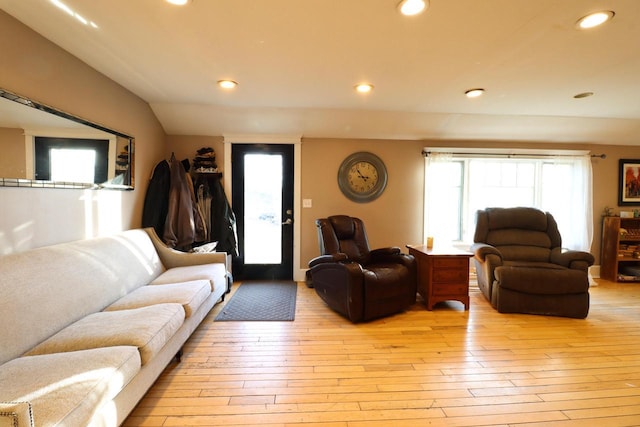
[255,301]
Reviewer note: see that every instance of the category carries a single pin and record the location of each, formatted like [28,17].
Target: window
[458,185]
[72,165]
[263,208]
[57,158]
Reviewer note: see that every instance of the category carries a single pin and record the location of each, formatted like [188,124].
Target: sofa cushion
[67,389]
[189,294]
[147,328]
[210,272]
[545,279]
[533,264]
[47,289]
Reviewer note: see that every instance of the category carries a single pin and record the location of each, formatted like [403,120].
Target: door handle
[289,221]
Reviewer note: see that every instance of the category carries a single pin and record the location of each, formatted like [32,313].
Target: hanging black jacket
[223,221]
[156,201]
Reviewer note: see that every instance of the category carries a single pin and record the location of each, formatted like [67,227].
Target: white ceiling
[297,61]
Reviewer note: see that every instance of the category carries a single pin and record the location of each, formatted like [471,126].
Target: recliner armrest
[323,259]
[383,255]
[568,258]
[385,251]
[481,250]
[390,255]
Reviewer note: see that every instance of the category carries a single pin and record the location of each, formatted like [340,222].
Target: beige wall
[13,162]
[185,147]
[395,218]
[36,68]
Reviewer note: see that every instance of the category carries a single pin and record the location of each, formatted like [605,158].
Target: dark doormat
[261,301]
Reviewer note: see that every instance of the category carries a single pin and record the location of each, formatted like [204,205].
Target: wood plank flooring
[445,367]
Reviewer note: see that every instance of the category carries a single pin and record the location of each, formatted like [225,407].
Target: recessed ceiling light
[178,2]
[595,19]
[364,87]
[583,95]
[412,7]
[227,84]
[474,93]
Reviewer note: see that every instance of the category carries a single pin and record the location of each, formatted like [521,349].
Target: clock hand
[361,176]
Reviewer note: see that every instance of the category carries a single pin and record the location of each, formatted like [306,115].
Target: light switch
[306,203]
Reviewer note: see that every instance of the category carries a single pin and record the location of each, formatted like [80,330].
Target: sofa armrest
[481,250]
[579,260]
[18,414]
[172,258]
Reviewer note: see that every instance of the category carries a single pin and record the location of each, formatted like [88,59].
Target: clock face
[362,177]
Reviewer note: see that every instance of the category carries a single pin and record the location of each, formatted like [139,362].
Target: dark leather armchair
[522,268]
[359,283]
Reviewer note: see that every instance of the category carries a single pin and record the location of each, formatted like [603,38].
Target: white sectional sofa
[88,326]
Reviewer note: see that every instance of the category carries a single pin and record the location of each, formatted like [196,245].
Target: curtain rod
[508,155]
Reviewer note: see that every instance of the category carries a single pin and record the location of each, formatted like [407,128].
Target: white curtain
[437,212]
[574,212]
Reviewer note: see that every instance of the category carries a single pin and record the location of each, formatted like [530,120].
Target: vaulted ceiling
[297,62]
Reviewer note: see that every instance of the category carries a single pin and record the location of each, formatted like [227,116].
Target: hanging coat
[203,198]
[200,226]
[179,229]
[223,221]
[156,200]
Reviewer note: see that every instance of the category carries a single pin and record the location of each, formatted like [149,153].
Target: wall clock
[362,177]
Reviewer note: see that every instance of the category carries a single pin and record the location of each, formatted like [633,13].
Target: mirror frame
[35,183]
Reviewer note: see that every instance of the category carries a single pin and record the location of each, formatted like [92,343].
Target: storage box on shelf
[620,258]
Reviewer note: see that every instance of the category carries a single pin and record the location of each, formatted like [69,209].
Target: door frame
[296,140]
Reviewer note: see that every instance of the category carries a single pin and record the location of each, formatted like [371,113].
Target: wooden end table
[443,274]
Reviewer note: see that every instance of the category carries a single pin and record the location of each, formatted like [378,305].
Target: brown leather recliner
[522,268]
[359,283]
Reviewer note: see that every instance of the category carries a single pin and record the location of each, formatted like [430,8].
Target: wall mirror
[47,148]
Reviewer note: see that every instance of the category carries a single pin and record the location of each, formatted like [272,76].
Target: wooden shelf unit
[618,248]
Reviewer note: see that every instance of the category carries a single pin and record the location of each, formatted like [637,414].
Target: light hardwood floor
[445,367]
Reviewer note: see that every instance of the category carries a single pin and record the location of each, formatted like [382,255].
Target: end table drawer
[451,262]
[451,275]
[451,289]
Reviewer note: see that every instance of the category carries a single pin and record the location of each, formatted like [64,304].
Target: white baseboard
[299,275]
[594,273]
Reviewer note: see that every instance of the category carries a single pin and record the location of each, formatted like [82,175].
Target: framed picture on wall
[629,182]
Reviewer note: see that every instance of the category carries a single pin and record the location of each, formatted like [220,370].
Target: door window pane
[263,208]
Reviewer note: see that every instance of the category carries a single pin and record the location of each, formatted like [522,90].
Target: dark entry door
[262,199]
